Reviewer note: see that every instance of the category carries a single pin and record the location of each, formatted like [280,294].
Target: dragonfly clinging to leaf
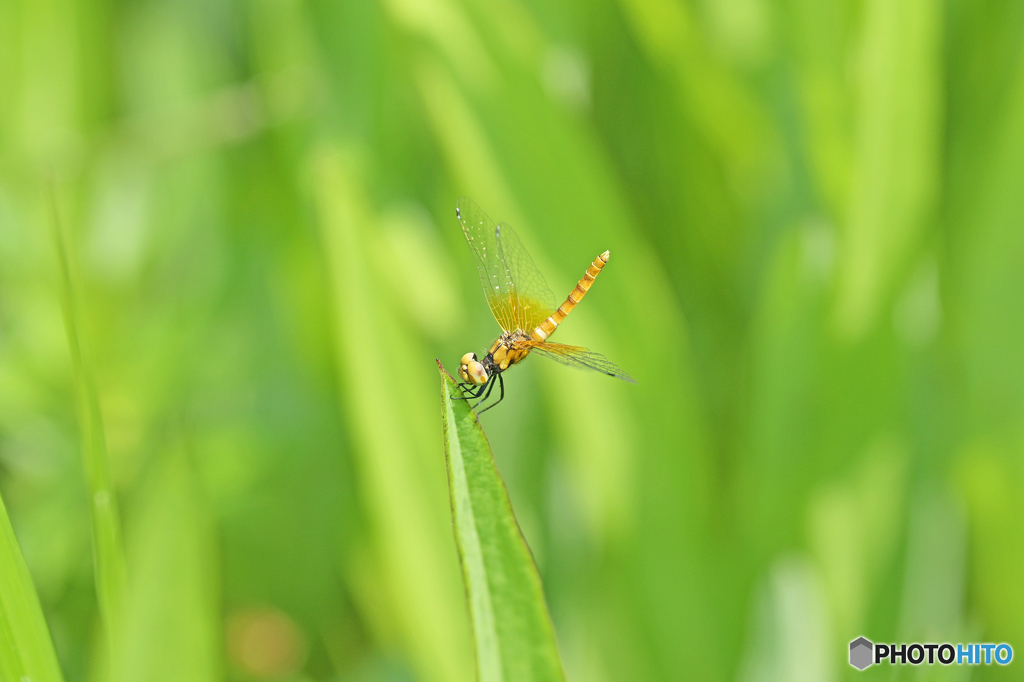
[522,304]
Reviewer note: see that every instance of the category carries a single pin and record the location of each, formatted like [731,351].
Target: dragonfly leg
[502,397]
[474,392]
[490,387]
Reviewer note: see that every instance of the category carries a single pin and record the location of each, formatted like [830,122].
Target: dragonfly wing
[580,358]
[495,276]
[533,300]
[513,287]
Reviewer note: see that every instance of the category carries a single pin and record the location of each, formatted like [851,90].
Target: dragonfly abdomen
[547,327]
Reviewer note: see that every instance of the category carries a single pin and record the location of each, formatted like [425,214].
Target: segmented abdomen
[547,327]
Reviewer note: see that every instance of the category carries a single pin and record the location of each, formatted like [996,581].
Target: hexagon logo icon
[860,653]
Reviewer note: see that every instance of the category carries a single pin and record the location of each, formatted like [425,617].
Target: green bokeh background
[815,214]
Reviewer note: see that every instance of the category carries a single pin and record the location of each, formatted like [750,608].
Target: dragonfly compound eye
[468,358]
[474,373]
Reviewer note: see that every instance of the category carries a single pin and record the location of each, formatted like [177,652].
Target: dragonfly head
[472,370]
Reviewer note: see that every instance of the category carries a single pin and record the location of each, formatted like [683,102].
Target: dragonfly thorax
[506,351]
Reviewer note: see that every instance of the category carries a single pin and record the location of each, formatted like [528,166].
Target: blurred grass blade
[26,651]
[108,550]
[403,491]
[172,617]
[511,626]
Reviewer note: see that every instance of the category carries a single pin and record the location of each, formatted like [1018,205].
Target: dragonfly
[523,306]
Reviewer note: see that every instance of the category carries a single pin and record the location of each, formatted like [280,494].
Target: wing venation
[580,358]
[514,289]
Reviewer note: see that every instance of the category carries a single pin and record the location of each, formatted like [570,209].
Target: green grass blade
[511,626]
[26,651]
[108,550]
[172,616]
[407,510]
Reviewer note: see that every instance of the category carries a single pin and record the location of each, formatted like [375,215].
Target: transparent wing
[513,287]
[534,299]
[580,358]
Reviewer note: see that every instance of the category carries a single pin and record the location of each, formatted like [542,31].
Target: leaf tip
[443,371]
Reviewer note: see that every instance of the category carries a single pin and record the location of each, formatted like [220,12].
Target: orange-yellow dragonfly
[522,304]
